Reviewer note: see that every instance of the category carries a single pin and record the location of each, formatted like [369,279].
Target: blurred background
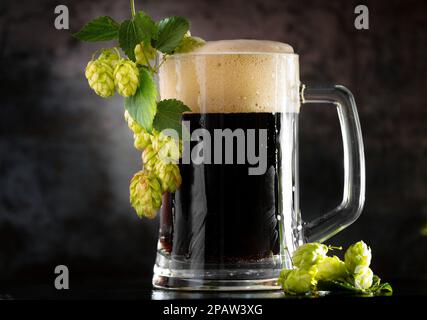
[66,155]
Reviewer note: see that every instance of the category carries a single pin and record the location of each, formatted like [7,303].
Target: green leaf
[383,289]
[142,105]
[168,116]
[345,285]
[171,31]
[140,28]
[147,26]
[375,280]
[100,29]
[377,288]
[380,289]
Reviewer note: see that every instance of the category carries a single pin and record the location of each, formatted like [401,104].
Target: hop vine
[128,68]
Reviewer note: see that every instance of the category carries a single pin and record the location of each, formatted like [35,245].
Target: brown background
[66,155]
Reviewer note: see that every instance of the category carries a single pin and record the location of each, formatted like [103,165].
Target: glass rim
[222,53]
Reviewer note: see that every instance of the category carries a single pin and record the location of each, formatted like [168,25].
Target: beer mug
[235,221]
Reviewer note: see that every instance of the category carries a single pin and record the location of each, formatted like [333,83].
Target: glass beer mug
[235,221]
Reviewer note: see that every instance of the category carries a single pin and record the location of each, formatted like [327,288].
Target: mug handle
[326,226]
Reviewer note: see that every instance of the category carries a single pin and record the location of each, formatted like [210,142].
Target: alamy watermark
[361,22]
[62,281]
[222,146]
[63,17]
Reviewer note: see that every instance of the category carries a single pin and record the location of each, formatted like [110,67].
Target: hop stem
[132,8]
[148,63]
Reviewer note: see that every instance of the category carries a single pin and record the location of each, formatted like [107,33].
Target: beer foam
[234,76]
[244,46]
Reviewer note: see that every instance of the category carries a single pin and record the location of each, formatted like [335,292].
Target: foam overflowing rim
[241,47]
[222,53]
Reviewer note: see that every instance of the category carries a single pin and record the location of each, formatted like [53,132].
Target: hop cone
[363,279]
[282,276]
[167,147]
[141,137]
[298,281]
[149,158]
[169,175]
[189,43]
[100,78]
[357,257]
[135,127]
[110,57]
[144,53]
[126,77]
[145,194]
[141,140]
[309,254]
[331,268]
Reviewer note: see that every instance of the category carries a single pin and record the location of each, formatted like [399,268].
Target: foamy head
[231,76]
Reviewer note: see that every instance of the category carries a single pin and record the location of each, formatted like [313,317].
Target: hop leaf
[126,77]
[142,105]
[169,176]
[169,116]
[110,57]
[141,28]
[100,78]
[309,254]
[299,281]
[331,268]
[357,257]
[171,31]
[144,53]
[145,194]
[363,279]
[100,29]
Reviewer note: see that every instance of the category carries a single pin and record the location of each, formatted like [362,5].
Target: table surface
[142,290]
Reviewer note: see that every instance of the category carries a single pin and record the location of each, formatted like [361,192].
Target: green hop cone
[169,176]
[143,54]
[149,158]
[189,43]
[331,268]
[145,194]
[126,77]
[135,127]
[110,57]
[299,281]
[363,279]
[141,140]
[282,276]
[141,137]
[100,78]
[168,148]
[309,254]
[357,257]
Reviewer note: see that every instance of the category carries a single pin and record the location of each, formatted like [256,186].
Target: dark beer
[221,214]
